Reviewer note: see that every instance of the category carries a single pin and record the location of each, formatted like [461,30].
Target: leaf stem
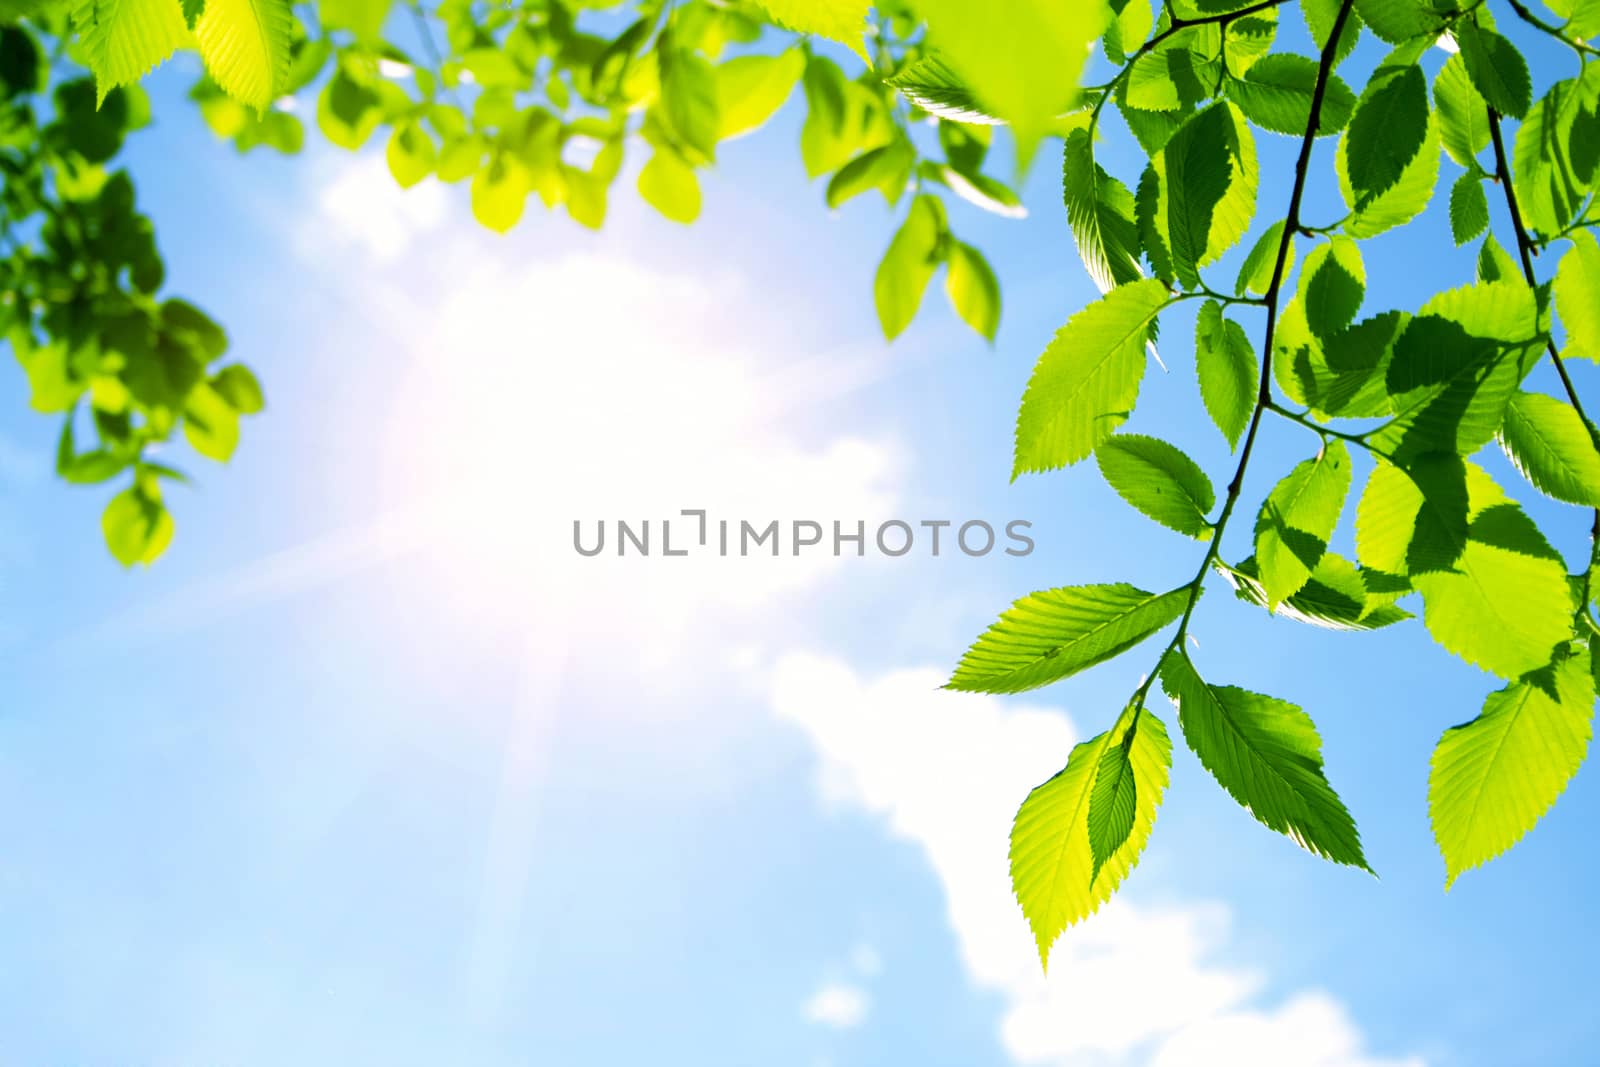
[1502,171]
[1554,31]
[1291,224]
[1177,25]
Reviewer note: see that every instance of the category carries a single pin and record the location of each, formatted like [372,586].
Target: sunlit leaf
[1297,520]
[1226,366]
[1053,869]
[1548,442]
[245,45]
[1494,777]
[1266,753]
[1087,380]
[1055,633]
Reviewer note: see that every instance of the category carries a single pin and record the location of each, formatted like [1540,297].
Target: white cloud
[360,204]
[837,1005]
[946,771]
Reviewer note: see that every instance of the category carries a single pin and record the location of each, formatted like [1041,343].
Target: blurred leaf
[137,528]
[751,89]
[973,289]
[908,265]
[669,185]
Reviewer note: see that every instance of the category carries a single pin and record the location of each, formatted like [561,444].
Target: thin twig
[1302,169]
[1502,171]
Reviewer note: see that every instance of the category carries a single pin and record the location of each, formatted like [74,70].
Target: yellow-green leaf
[245,45]
[1493,778]
[844,21]
[123,40]
[1053,869]
[669,185]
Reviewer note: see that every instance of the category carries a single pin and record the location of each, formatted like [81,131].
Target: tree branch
[1544,27]
[1502,171]
[1302,170]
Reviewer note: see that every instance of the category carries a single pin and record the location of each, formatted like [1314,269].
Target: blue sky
[373,768]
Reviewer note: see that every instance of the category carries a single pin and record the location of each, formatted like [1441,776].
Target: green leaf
[1207,186]
[844,21]
[364,18]
[1388,130]
[1456,366]
[500,193]
[689,100]
[843,118]
[1344,374]
[1100,211]
[1276,95]
[751,89]
[1266,753]
[1297,520]
[1400,20]
[886,168]
[1495,263]
[1113,803]
[908,266]
[347,111]
[1493,590]
[979,190]
[669,185]
[973,289]
[1320,16]
[1087,380]
[1463,114]
[1335,597]
[1055,633]
[137,527]
[1496,67]
[1493,778]
[237,385]
[1469,208]
[123,40]
[1255,274]
[1159,480]
[1226,366]
[245,45]
[1401,202]
[411,154]
[1333,283]
[1577,291]
[210,424]
[1053,869]
[1547,441]
[1549,189]
[1171,77]
[1025,67]
[932,85]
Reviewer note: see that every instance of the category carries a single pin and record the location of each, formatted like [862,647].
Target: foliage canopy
[542,98]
